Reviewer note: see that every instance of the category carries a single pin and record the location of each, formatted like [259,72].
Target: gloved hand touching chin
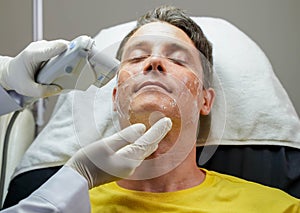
[18,73]
[119,155]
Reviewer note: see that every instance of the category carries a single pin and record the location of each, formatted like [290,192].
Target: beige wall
[273,24]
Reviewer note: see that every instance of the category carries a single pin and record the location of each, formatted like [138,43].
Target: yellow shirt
[217,193]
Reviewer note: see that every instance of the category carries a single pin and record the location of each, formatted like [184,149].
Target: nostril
[149,68]
[154,64]
[160,68]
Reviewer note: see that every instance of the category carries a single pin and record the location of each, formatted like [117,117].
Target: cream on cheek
[146,104]
[190,94]
[123,75]
[192,83]
[150,103]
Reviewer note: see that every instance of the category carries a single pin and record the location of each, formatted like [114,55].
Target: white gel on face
[142,98]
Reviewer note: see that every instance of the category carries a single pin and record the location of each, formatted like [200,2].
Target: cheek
[127,71]
[190,81]
[123,76]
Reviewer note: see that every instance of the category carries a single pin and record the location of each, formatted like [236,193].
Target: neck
[185,175]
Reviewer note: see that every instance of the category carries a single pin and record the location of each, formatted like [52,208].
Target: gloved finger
[47,90]
[156,133]
[125,136]
[37,90]
[99,155]
[44,50]
[148,143]
[136,151]
[109,145]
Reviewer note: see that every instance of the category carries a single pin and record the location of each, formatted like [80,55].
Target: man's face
[160,75]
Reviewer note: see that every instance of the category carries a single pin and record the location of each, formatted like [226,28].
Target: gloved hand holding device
[119,155]
[80,66]
[46,68]
[18,73]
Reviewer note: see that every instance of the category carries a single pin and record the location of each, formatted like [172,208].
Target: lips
[152,83]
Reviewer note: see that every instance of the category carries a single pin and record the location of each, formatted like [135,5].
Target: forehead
[162,29]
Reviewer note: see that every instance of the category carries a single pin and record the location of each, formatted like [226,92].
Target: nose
[154,63]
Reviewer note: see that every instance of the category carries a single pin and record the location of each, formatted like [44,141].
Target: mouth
[152,84]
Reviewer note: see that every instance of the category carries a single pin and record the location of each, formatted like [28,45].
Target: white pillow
[259,110]
[251,106]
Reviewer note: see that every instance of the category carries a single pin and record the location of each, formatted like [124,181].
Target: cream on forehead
[163,29]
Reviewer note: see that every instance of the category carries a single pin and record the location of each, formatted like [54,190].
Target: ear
[114,94]
[207,101]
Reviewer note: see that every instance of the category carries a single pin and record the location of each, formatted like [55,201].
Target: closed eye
[137,59]
[178,61]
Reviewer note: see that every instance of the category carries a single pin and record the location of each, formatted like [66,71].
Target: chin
[150,106]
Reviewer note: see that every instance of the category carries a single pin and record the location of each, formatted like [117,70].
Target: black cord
[5,153]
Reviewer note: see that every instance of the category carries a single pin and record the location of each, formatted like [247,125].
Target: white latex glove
[119,155]
[18,73]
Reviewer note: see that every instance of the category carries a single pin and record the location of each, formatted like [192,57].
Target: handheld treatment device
[69,69]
